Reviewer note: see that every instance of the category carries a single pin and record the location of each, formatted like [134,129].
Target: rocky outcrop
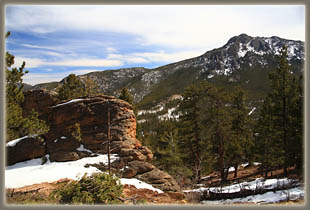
[79,128]
[25,149]
[40,101]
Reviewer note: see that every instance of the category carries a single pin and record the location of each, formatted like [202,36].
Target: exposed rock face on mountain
[78,128]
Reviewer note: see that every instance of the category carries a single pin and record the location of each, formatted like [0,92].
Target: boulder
[63,156]
[129,173]
[159,179]
[26,149]
[140,166]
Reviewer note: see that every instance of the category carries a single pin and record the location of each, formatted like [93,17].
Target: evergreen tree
[284,96]
[126,96]
[241,141]
[219,122]
[71,88]
[268,146]
[192,143]
[282,114]
[17,125]
[298,128]
[167,149]
[91,88]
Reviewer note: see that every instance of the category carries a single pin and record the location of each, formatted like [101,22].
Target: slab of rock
[159,179]
[140,166]
[63,156]
[26,149]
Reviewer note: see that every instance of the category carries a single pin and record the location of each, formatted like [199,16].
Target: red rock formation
[40,101]
[83,122]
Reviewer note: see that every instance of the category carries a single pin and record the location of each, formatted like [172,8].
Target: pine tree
[284,95]
[126,96]
[17,125]
[268,146]
[193,144]
[282,116]
[91,88]
[241,141]
[72,88]
[168,150]
[219,121]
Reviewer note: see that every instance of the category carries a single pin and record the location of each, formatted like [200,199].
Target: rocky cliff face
[78,128]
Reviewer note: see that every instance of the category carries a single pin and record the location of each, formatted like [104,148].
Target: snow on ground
[33,172]
[141,112]
[139,184]
[257,183]
[269,197]
[169,115]
[293,193]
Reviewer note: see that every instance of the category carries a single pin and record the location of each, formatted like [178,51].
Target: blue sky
[58,40]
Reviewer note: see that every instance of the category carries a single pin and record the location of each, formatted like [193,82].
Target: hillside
[243,60]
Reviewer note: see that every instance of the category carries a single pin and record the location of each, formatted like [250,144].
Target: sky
[55,41]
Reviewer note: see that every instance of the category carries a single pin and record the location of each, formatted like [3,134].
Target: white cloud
[37,78]
[149,57]
[193,26]
[111,49]
[168,57]
[95,62]
[30,62]
[87,62]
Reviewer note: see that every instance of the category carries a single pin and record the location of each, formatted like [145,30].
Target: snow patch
[83,149]
[139,184]
[33,172]
[269,197]
[254,108]
[257,183]
[72,101]
[141,112]
[14,142]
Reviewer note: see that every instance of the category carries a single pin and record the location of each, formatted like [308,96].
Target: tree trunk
[236,170]
[109,151]
[284,121]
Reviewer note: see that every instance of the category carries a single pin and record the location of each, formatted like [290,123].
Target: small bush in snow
[99,188]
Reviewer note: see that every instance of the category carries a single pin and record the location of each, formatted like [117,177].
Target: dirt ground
[131,195]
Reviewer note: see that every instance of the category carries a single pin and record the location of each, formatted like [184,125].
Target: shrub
[99,188]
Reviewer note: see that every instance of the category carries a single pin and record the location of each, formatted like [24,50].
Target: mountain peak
[242,38]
